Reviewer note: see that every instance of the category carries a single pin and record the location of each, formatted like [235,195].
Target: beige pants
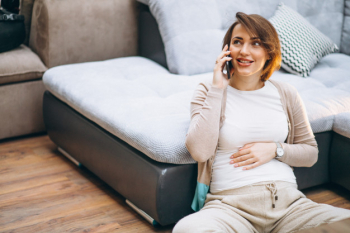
[250,209]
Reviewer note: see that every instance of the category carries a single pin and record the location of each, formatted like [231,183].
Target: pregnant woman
[247,133]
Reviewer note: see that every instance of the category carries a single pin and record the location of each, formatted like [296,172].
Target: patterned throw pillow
[302,44]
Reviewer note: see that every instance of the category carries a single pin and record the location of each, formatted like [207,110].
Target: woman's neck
[246,83]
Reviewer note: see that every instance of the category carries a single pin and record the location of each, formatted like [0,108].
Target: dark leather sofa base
[319,172]
[340,161]
[164,191]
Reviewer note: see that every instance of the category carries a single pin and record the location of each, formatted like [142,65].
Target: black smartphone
[228,66]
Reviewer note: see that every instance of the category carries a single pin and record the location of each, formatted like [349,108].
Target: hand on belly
[253,155]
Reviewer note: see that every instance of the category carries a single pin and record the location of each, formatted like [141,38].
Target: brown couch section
[20,64]
[59,32]
[21,109]
[65,31]
[26,10]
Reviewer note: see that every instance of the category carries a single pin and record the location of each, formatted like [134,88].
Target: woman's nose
[245,49]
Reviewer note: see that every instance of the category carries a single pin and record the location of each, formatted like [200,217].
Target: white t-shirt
[251,116]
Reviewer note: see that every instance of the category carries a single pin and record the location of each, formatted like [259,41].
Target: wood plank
[42,191]
[330,194]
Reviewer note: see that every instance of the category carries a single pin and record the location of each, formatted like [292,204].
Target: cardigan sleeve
[304,150]
[203,133]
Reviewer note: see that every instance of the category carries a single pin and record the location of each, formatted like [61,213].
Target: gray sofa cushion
[190,29]
[342,124]
[345,40]
[143,104]
[322,104]
[133,98]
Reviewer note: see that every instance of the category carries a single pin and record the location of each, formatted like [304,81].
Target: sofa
[21,87]
[125,119]
[21,69]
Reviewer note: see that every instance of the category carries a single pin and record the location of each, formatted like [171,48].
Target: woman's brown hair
[258,26]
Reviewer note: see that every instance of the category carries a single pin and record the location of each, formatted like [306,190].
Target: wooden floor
[42,191]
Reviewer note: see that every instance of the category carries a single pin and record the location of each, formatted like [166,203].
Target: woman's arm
[203,134]
[304,150]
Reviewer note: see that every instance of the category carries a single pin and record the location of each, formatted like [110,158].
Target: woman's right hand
[220,79]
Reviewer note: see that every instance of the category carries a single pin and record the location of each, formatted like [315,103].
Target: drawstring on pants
[272,188]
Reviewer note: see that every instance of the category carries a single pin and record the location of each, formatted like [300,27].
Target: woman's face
[248,54]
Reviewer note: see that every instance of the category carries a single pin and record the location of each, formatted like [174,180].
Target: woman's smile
[244,62]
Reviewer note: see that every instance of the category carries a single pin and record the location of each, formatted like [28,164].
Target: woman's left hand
[253,155]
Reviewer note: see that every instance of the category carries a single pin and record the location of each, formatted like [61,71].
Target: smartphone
[228,66]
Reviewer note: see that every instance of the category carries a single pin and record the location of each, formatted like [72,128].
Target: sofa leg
[142,213]
[69,156]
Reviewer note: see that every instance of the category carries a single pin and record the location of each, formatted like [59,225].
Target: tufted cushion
[148,111]
[190,29]
[151,112]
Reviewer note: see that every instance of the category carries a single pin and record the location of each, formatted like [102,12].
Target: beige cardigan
[208,114]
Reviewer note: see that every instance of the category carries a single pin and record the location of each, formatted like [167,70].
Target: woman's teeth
[244,61]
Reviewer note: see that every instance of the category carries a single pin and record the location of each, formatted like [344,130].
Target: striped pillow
[302,44]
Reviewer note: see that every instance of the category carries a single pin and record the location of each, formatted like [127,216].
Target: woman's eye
[236,42]
[256,43]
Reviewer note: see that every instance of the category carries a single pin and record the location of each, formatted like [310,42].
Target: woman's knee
[184,225]
[196,222]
